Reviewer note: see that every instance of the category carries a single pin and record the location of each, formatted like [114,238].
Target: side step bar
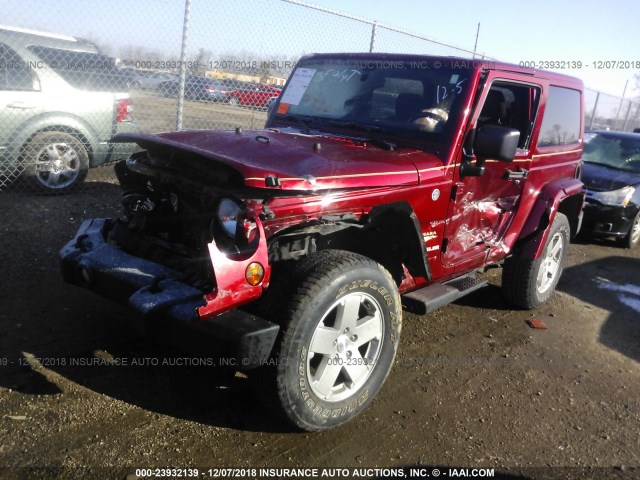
[430,298]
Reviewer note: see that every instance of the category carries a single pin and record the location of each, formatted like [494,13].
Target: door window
[15,73]
[511,105]
[561,122]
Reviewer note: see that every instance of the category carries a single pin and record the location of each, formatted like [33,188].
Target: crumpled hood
[295,161]
[603,179]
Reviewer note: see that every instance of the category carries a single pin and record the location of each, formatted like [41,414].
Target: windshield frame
[386,67]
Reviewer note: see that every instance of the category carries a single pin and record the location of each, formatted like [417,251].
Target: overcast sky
[545,30]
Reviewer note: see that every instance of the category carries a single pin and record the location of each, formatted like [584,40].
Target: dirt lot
[473,385]
[81,396]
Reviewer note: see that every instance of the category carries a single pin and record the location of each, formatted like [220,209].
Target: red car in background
[253,96]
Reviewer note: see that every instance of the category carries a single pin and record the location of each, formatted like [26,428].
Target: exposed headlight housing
[619,197]
[228,214]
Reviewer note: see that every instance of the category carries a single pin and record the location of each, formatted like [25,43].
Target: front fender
[533,235]
[232,289]
[400,220]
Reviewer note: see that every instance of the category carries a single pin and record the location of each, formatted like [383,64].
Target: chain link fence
[608,112]
[98,69]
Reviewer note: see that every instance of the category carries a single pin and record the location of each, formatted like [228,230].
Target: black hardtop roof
[447,61]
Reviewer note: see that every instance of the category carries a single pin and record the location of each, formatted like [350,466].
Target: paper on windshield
[297,85]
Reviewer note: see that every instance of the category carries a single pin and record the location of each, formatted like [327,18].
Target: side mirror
[496,143]
[488,142]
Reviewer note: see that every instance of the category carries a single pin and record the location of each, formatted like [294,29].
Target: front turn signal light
[254,274]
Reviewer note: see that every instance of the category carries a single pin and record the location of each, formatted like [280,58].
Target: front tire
[339,341]
[633,237]
[530,283]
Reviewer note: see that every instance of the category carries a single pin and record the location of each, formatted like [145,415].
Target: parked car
[61,101]
[146,80]
[253,96]
[296,247]
[196,88]
[271,103]
[612,183]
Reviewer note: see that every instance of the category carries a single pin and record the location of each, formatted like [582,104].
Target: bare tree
[200,61]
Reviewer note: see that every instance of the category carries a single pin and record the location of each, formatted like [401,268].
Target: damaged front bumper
[169,310]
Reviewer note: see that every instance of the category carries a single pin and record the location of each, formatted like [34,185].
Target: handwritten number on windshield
[443,91]
[342,75]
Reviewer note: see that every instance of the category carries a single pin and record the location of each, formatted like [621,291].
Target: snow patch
[631,302]
[628,294]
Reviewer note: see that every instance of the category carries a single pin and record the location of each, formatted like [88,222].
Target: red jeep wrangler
[380,182]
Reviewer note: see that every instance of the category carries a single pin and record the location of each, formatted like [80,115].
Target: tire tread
[308,278]
[519,273]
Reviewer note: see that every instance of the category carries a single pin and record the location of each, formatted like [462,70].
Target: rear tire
[339,339]
[530,283]
[55,162]
[234,101]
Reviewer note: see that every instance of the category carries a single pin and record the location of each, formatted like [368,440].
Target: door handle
[21,106]
[517,175]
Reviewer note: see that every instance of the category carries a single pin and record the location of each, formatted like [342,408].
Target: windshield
[619,153]
[398,98]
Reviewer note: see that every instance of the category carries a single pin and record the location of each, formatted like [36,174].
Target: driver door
[482,207]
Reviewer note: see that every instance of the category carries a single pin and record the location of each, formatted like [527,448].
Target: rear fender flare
[563,195]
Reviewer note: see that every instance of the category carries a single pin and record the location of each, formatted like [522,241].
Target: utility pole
[621,101]
[183,64]
[475,46]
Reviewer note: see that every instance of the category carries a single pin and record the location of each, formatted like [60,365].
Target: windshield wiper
[356,126]
[303,121]
[377,141]
[382,143]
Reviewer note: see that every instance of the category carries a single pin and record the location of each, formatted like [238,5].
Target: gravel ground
[473,385]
